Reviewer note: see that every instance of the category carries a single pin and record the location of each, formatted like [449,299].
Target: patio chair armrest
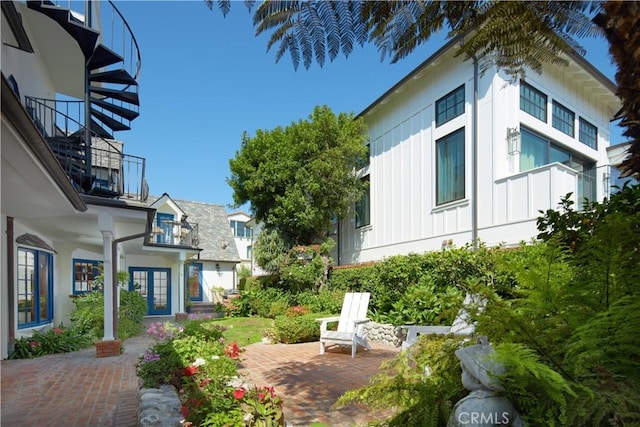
[325,320]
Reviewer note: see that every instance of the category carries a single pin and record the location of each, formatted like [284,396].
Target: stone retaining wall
[383,333]
[159,407]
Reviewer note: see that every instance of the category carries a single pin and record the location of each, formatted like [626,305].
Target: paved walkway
[310,382]
[78,389]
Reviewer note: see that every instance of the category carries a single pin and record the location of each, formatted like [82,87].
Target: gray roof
[214,232]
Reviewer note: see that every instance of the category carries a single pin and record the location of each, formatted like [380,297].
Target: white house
[458,156]
[243,236]
[72,201]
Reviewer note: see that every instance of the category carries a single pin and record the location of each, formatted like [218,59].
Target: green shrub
[88,317]
[56,340]
[278,308]
[424,304]
[297,329]
[325,301]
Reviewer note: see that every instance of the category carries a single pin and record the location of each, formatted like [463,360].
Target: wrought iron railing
[175,233]
[100,167]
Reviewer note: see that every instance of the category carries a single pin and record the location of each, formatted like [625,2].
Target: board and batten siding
[404,217]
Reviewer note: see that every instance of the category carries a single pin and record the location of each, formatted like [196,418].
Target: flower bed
[197,361]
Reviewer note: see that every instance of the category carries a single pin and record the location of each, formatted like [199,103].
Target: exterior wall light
[513,141]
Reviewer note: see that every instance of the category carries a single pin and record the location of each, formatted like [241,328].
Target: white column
[107,239]
[181,283]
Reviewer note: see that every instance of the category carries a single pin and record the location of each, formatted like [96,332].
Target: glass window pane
[559,155]
[533,101]
[588,134]
[450,165]
[563,119]
[450,106]
[363,206]
[533,151]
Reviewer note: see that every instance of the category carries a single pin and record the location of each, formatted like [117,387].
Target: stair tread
[130,97]
[121,111]
[103,56]
[110,122]
[120,75]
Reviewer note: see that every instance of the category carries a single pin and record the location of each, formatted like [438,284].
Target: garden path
[78,389]
[310,383]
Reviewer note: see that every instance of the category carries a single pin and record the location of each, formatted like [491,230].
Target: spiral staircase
[110,103]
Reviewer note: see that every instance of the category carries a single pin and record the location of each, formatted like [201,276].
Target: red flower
[184,411]
[238,393]
[232,350]
[190,370]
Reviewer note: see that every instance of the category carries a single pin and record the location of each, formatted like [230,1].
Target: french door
[154,284]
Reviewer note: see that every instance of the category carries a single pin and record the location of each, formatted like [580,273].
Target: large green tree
[514,35]
[297,178]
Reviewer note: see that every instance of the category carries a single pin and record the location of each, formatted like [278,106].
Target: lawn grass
[244,330]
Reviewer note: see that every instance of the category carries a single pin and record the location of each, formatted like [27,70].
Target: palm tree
[513,35]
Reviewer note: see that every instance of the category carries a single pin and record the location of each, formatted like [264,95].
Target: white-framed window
[239,229]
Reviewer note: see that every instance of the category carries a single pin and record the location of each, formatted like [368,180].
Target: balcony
[99,168]
[521,196]
[174,233]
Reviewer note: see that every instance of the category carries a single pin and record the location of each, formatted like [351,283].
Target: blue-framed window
[165,224]
[363,206]
[588,134]
[533,101]
[85,272]
[194,281]
[450,106]
[563,119]
[239,229]
[450,165]
[35,287]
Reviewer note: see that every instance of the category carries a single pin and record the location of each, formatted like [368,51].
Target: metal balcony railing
[174,233]
[100,167]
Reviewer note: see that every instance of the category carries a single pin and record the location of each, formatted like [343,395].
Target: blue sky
[206,79]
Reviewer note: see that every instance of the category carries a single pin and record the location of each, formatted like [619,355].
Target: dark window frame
[457,194]
[559,122]
[363,205]
[450,110]
[530,106]
[581,133]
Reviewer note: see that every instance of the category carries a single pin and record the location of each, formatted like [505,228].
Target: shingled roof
[216,240]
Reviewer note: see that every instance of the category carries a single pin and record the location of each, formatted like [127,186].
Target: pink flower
[57,330]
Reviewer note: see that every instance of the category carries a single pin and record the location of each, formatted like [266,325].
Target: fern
[421,384]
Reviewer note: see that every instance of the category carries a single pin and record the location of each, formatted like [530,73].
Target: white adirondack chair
[350,323]
[462,326]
